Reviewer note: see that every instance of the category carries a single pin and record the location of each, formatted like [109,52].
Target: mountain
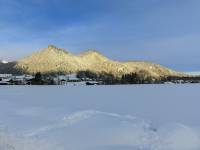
[3,61]
[56,60]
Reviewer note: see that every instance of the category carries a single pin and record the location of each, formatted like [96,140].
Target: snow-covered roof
[4,83]
[5,75]
[20,77]
[72,77]
[6,79]
[28,77]
[62,77]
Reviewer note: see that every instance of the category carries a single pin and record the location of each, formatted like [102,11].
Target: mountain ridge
[57,60]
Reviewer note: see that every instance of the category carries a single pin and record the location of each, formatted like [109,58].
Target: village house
[72,78]
[5,79]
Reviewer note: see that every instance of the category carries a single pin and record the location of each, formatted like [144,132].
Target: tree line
[140,77]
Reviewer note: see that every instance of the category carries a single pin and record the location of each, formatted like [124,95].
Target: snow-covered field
[128,117]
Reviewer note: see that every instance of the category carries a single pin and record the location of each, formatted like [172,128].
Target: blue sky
[165,32]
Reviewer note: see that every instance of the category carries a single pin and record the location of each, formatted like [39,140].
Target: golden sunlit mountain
[56,60]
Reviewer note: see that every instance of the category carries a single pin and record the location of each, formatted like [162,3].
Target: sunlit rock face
[56,60]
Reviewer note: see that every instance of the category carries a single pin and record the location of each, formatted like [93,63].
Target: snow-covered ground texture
[137,117]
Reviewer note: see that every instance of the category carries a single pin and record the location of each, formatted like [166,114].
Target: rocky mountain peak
[93,54]
[52,48]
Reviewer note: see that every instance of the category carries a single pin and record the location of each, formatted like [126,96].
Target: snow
[126,117]
[5,75]
[195,73]
[4,61]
